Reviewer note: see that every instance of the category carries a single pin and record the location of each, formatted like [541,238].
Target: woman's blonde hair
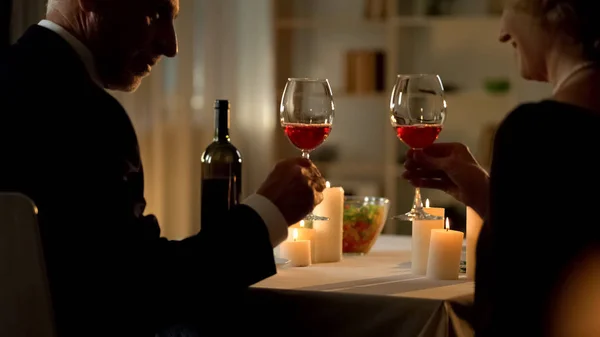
[577,19]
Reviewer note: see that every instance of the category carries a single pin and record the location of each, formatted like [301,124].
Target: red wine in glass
[417,113]
[307,137]
[418,136]
[306,114]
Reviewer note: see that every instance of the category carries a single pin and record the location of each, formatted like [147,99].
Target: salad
[362,225]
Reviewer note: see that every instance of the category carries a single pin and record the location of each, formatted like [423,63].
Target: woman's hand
[450,167]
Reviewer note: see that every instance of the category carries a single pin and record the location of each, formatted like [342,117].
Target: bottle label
[220,191]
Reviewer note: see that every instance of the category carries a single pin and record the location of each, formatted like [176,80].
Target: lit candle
[445,250]
[439,211]
[421,237]
[296,225]
[304,233]
[474,223]
[328,234]
[297,251]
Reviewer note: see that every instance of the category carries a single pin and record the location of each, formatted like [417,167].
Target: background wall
[314,39]
[224,54]
[244,50]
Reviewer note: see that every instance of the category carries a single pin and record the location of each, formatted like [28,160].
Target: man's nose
[167,41]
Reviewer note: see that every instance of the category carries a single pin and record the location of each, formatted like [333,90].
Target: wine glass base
[312,217]
[417,214]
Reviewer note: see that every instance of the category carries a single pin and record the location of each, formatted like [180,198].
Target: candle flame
[295,234]
[447,226]
[427,203]
[327,184]
[301,223]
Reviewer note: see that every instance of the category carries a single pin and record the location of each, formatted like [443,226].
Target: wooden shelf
[328,23]
[343,94]
[359,23]
[314,36]
[425,21]
[360,95]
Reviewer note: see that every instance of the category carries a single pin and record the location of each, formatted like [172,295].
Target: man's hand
[295,186]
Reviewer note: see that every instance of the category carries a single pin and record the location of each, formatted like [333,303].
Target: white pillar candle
[296,225]
[328,235]
[439,211]
[304,233]
[421,236]
[445,250]
[297,251]
[277,249]
[474,223]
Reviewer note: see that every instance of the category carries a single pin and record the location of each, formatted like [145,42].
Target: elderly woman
[540,199]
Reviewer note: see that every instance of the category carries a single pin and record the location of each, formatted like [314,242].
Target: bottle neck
[221,125]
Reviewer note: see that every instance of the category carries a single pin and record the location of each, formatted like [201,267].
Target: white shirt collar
[84,53]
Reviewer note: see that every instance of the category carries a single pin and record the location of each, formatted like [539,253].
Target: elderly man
[70,147]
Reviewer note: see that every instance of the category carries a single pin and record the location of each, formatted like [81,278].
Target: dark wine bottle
[221,183]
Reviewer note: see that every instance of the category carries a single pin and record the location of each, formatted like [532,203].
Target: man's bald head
[58,5]
[126,37]
[51,5]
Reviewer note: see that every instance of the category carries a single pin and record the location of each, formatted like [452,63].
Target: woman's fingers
[424,174]
[444,185]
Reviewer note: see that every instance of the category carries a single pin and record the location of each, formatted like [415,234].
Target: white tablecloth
[371,295]
[384,271]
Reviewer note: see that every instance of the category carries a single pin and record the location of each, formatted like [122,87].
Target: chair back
[25,302]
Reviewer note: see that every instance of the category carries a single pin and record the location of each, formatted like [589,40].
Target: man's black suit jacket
[70,147]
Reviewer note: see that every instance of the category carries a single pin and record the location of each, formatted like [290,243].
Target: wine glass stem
[417,202]
[305,155]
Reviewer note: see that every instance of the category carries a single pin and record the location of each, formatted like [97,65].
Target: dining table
[373,294]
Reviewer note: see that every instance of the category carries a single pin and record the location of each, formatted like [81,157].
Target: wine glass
[418,111]
[306,113]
